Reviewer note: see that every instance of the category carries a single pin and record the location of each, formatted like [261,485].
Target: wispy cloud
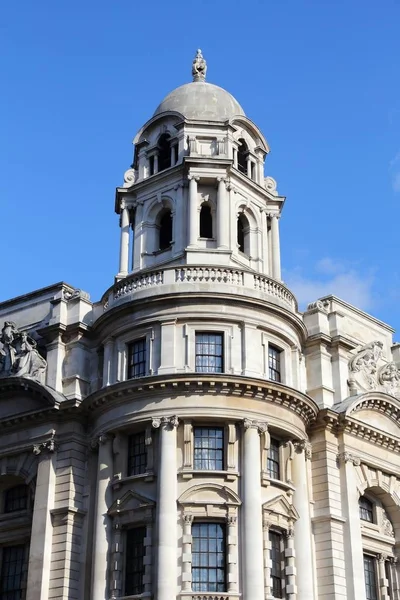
[329,276]
[395,173]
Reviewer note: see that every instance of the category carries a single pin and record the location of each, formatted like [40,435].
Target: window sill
[118,480]
[144,595]
[283,485]
[190,473]
[209,595]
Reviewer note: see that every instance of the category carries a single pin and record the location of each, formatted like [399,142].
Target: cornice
[223,385]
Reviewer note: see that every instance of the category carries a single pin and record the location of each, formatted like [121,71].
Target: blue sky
[321,80]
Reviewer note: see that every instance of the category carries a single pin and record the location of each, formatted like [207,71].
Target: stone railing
[187,276]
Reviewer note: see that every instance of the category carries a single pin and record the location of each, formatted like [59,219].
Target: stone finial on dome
[199,67]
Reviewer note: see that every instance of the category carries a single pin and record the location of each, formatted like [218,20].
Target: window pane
[16,498]
[137,454]
[11,572]
[273,460]
[209,353]
[137,359]
[209,448]
[370,577]
[208,557]
[274,363]
[276,546]
[366,509]
[135,551]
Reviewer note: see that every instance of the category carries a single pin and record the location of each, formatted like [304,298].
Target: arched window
[206,229]
[164,152]
[242,156]
[243,234]
[165,232]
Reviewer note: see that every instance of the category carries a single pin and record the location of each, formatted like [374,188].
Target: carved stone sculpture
[199,67]
[363,367]
[19,356]
[389,378]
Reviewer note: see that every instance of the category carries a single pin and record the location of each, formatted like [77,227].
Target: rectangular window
[209,353]
[208,557]
[134,569]
[209,448]
[137,454]
[16,498]
[274,363]
[273,460]
[12,567]
[137,352]
[370,577]
[366,509]
[276,549]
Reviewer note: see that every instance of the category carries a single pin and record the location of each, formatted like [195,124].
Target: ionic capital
[193,178]
[49,445]
[261,426]
[273,216]
[188,518]
[345,457]
[303,446]
[100,440]
[166,422]
[382,557]
[231,520]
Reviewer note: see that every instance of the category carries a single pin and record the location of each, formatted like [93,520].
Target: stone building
[193,435]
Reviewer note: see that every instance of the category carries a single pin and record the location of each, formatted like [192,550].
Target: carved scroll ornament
[366,374]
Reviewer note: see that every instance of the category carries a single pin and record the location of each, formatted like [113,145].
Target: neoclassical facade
[192,435]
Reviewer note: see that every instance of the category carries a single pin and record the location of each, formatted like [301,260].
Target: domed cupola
[196,193]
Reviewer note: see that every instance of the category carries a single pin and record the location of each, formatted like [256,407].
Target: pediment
[20,395]
[376,409]
[280,506]
[131,501]
[378,421]
[209,494]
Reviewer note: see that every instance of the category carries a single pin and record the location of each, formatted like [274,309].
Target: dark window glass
[240,234]
[273,460]
[366,509]
[206,222]
[164,152]
[165,233]
[12,567]
[275,540]
[137,359]
[209,352]
[274,363]
[16,498]
[370,577]
[209,448]
[137,455]
[208,557]
[242,156]
[176,153]
[134,569]
[151,165]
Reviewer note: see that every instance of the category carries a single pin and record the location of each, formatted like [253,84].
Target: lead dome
[201,100]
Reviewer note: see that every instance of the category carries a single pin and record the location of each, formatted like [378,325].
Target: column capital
[100,440]
[166,422]
[382,557]
[222,179]
[303,446]
[345,457]
[48,446]
[273,215]
[261,426]
[193,178]
[188,518]
[231,520]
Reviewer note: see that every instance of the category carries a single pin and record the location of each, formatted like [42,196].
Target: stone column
[124,246]
[155,164]
[353,552]
[179,242]
[382,579]
[302,527]
[193,211]
[187,553]
[108,362]
[275,247]
[267,561]
[102,524]
[290,569]
[232,555]
[222,215]
[42,530]
[253,568]
[166,509]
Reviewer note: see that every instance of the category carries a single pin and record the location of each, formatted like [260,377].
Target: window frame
[276,461]
[120,354]
[373,560]
[12,488]
[220,587]
[221,450]
[281,576]
[143,464]
[142,572]
[24,566]
[220,356]
[274,357]
[232,355]
[131,351]
[370,510]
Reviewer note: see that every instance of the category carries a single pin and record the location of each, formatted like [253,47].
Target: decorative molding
[46,446]
[304,446]
[318,306]
[166,422]
[261,426]
[345,457]
[100,439]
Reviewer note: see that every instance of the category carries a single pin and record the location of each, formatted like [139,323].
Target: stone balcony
[199,279]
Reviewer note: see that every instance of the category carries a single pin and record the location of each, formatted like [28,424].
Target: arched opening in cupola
[206,224]
[165,230]
[243,234]
[242,154]
[164,152]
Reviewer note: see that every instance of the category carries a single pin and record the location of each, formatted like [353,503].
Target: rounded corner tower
[202,413]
